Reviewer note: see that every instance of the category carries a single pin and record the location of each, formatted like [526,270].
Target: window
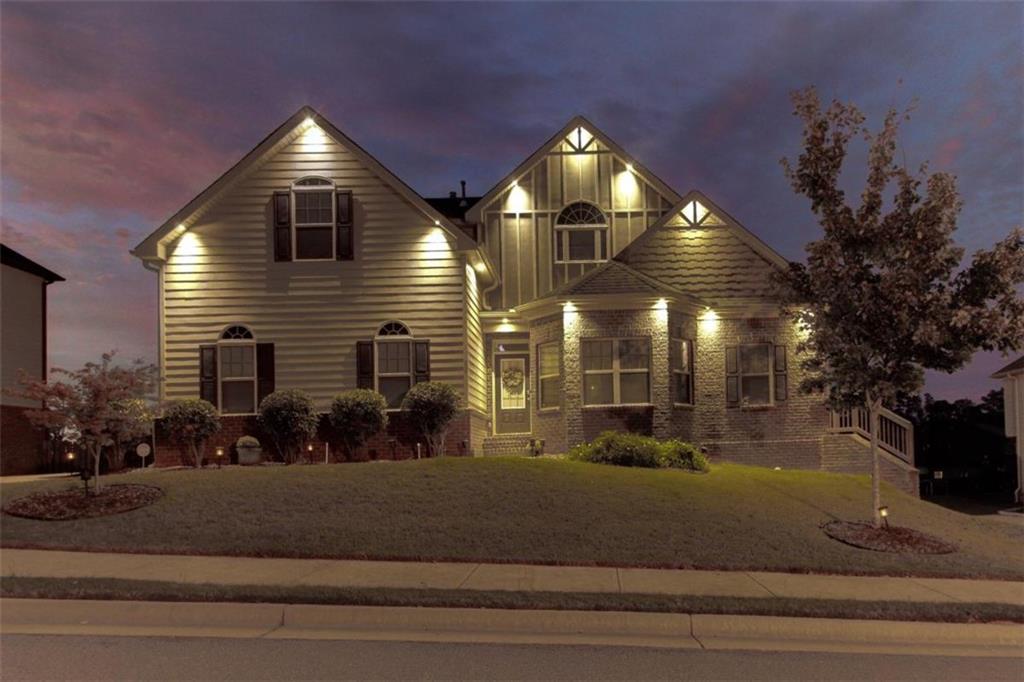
[755,374]
[681,363]
[581,234]
[394,371]
[236,359]
[616,371]
[549,375]
[314,219]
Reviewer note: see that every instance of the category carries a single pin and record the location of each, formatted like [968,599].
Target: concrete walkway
[499,577]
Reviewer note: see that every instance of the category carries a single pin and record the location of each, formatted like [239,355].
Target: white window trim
[770,374]
[377,374]
[562,235]
[254,379]
[616,371]
[299,189]
[693,386]
[541,377]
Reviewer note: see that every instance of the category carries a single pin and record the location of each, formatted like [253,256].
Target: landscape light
[884,513]
[219,451]
[71,456]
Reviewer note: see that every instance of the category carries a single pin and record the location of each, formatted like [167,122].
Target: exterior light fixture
[515,183]
[308,122]
[71,457]
[480,267]
[309,448]
[629,167]
[884,513]
[504,320]
[219,452]
[437,223]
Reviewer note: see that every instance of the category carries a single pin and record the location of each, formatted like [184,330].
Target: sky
[113,116]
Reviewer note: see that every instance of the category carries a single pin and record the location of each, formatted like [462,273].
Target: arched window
[393,329]
[236,370]
[581,234]
[394,373]
[314,219]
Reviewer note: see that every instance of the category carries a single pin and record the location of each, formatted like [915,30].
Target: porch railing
[895,434]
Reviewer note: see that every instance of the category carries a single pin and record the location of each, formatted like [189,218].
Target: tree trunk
[96,476]
[876,465]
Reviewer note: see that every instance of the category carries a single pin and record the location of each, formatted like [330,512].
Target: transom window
[681,363]
[395,362]
[616,371]
[314,233]
[236,360]
[549,375]
[581,234]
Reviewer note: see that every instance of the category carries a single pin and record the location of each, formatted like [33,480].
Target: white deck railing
[895,434]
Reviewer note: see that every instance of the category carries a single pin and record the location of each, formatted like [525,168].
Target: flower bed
[891,539]
[65,505]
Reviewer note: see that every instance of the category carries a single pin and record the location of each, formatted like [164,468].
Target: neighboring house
[1013,408]
[23,284]
[580,294]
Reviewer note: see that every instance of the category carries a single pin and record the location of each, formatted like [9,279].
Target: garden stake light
[884,513]
[219,453]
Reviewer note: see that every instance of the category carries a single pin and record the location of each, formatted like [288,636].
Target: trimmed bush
[356,416]
[677,454]
[290,420]
[432,405]
[191,422]
[632,450]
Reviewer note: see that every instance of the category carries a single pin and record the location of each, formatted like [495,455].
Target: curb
[381,623]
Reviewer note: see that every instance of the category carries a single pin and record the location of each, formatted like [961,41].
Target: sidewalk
[499,577]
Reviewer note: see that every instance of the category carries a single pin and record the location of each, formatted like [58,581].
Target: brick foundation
[21,444]
[398,442]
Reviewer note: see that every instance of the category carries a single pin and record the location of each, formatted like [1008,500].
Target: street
[31,657]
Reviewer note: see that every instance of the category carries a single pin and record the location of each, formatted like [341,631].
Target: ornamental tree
[90,402]
[883,295]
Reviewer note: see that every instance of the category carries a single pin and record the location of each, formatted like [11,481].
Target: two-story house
[579,294]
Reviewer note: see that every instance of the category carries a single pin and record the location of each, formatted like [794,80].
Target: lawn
[524,510]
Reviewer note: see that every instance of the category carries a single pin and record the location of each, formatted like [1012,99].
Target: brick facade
[398,442]
[21,444]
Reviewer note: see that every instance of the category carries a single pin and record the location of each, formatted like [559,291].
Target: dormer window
[581,234]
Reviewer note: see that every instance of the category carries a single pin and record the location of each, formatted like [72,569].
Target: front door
[511,397]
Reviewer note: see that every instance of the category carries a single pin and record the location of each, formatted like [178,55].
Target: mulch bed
[891,539]
[65,505]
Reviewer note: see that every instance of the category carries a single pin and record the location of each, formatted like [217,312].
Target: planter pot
[249,455]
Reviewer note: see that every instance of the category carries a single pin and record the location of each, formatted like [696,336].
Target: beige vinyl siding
[518,225]
[222,272]
[476,363]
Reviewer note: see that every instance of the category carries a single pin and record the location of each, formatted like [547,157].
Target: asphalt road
[31,657]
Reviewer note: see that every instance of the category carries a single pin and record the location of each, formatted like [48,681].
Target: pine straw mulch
[65,505]
[892,539]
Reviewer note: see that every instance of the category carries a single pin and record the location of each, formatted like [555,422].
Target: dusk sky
[115,115]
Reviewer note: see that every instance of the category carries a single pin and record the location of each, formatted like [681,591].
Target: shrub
[289,419]
[676,454]
[247,442]
[357,415]
[191,422]
[432,405]
[632,450]
[619,449]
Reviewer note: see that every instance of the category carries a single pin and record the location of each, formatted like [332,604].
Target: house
[1013,409]
[579,294]
[23,287]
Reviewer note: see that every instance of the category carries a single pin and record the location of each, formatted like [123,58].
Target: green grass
[143,590]
[525,510]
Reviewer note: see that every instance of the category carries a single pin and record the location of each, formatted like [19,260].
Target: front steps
[515,444]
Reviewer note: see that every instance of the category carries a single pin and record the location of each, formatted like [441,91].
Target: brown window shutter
[282,226]
[208,373]
[732,379]
[364,364]
[781,387]
[345,227]
[421,361]
[264,371]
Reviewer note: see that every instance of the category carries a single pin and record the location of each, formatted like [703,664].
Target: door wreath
[512,380]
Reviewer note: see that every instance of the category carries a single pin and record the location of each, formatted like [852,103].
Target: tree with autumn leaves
[885,293]
[100,404]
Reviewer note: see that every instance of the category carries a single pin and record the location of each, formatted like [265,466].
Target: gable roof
[1014,367]
[718,259]
[151,248]
[473,215]
[614,277]
[12,258]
